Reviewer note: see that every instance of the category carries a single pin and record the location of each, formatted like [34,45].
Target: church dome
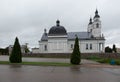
[96,14]
[57,30]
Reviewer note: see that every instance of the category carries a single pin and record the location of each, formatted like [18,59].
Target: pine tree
[16,55]
[76,55]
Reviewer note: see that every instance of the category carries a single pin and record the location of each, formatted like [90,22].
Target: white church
[58,40]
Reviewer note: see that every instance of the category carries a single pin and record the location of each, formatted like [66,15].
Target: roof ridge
[77,32]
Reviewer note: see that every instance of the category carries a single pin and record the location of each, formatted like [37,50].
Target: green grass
[108,61]
[104,60]
[4,62]
[38,63]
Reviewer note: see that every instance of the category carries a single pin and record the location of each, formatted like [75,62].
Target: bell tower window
[97,25]
[90,30]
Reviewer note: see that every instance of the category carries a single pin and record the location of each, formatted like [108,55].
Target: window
[90,30]
[97,25]
[45,47]
[86,46]
[71,46]
[90,46]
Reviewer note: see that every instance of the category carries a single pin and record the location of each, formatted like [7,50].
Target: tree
[108,49]
[76,56]
[16,55]
[114,48]
[26,48]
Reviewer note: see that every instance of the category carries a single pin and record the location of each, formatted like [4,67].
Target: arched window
[91,46]
[86,46]
[45,47]
[71,46]
[97,25]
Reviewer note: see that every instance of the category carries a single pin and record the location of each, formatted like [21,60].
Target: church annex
[58,40]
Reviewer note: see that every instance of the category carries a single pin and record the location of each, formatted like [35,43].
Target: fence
[67,55]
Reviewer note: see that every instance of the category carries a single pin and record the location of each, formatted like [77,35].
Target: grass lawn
[38,63]
[104,60]
[109,61]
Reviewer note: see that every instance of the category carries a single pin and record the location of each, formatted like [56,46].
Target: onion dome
[90,22]
[57,30]
[96,14]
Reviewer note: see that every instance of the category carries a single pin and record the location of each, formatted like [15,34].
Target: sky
[27,19]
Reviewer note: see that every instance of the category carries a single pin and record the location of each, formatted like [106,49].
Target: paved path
[32,59]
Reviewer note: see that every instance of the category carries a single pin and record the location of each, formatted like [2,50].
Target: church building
[58,40]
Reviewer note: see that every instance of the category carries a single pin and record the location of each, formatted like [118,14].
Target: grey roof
[80,35]
[71,36]
[44,37]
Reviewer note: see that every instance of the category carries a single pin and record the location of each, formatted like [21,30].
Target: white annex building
[58,40]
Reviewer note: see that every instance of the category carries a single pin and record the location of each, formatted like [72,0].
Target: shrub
[117,62]
[108,49]
[16,56]
[76,56]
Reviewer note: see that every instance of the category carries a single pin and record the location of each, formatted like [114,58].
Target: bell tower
[94,25]
[90,25]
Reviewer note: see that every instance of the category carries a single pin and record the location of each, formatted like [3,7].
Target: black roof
[96,14]
[57,30]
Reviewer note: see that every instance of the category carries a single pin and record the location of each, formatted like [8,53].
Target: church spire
[96,14]
[45,31]
[57,23]
[90,21]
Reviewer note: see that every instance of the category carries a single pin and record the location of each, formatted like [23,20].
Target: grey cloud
[28,18]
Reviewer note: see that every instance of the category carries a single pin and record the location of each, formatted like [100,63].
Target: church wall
[57,45]
[92,46]
[35,50]
[96,31]
[42,48]
[70,46]
[82,45]
[93,43]
[61,45]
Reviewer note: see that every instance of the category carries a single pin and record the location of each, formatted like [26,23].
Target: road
[89,71]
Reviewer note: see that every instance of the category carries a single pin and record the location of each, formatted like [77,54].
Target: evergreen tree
[16,55]
[76,56]
[114,48]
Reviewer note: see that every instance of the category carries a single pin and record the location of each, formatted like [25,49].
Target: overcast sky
[27,19]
